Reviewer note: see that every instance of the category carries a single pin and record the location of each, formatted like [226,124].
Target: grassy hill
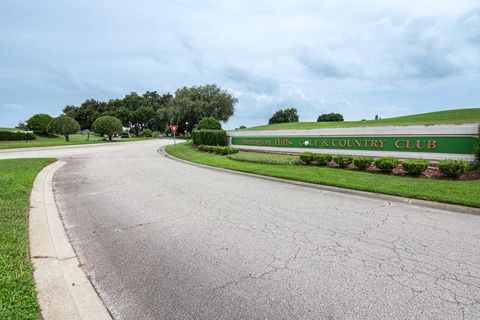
[456,116]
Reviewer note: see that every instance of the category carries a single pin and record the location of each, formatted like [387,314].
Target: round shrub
[453,168]
[209,123]
[343,160]
[107,125]
[307,157]
[386,164]
[133,131]
[415,167]
[362,163]
[39,123]
[64,125]
[322,159]
[147,133]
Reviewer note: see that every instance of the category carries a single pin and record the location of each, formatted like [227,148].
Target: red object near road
[174,127]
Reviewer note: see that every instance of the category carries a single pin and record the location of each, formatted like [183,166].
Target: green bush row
[453,168]
[217,149]
[16,135]
[315,158]
[386,164]
[343,160]
[209,137]
[362,163]
[414,167]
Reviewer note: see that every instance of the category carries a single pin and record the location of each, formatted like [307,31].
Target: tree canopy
[107,125]
[155,111]
[209,123]
[39,123]
[284,115]
[330,117]
[64,125]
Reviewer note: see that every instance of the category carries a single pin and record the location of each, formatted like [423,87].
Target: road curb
[358,193]
[64,290]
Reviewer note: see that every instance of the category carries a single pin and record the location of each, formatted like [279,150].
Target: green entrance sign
[430,144]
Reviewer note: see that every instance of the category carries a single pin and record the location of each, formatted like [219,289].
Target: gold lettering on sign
[382,143]
[342,143]
[432,144]
[397,144]
[419,142]
[373,143]
[325,143]
[334,143]
[283,142]
[408,145]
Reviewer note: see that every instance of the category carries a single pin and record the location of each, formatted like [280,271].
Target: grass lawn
[18,298]
[75,139]
[267,158]
[449,116]
[449,191]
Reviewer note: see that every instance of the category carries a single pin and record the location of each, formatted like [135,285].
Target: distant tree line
[291,115]
[155,111]
[284,115]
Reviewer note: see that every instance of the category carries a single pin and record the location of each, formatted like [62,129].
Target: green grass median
[75,139]
[18,298]
[448,191]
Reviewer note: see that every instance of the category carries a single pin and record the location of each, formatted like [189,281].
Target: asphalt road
[162,239]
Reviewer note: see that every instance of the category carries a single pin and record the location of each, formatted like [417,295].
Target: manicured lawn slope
[449,191]
[75,139]
[18,298]
[267,158]
[449,116]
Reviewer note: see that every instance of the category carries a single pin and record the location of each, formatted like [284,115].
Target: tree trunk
[67,137]
[110,137]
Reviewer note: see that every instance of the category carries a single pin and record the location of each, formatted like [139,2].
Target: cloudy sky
[359,58]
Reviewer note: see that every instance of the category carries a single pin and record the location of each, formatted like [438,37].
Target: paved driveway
[162,239]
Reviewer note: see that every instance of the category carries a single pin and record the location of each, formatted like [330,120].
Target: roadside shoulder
[64,290]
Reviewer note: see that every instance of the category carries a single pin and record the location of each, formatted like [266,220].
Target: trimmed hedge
[209,137]
[343,160]
[315,158]
[322,159]
[415,167]
[362,163]
[16,135]
[307,157]
[386,164]
[217,149]
[453,168]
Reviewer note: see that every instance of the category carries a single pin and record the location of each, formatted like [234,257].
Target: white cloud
[359,58]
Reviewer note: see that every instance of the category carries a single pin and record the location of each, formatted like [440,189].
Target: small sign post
[173,128]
